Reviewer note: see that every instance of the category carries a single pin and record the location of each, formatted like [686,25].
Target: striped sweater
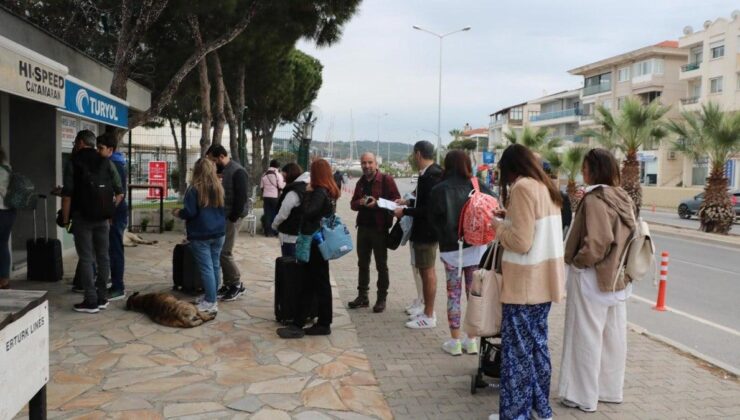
[532,238]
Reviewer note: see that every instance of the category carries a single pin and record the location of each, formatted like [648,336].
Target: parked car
[690,206]
[414,178]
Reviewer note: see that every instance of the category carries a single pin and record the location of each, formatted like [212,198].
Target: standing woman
[7,218]
[533,276]
[447,200]
[205,223]
[595,339]
[288,218]
[319,202]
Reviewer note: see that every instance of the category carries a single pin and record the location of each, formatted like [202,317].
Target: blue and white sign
[488,157]
[86,101]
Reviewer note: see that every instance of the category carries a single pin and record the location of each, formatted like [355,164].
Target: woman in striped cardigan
[533,278]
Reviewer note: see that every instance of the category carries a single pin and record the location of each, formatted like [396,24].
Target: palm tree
[555,160]
[636,125]
[714,134]
[456,134]
[572,164]
[538,141]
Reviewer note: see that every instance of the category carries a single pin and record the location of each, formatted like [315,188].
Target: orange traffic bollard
[660,304]
[653,208]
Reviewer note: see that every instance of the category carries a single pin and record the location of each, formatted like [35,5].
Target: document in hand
[387,204]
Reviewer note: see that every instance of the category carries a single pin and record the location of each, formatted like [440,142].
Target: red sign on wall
[157,176]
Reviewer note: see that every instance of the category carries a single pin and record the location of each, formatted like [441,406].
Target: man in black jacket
[423,237]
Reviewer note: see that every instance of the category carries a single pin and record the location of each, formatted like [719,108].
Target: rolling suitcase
[44,255]
[185,272]
[289,278]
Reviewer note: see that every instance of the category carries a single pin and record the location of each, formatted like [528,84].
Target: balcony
[691,66]
[690,101]
[573,138]
[572,112]
[690,71]
[594,89]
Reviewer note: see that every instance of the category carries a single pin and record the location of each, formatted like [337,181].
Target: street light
[306,136]
[439,98]
[377,144]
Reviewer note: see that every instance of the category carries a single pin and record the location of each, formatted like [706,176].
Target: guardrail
[594,89]
[690,66]
[556,114]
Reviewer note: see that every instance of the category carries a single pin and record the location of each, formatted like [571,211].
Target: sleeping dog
[167,310]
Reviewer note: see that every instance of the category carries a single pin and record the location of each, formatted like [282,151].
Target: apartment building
[510,119]
[712,74]
[560,114]
[649,73]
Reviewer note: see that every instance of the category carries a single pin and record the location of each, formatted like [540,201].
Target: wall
[667,196]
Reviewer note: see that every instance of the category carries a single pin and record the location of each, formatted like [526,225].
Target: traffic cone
[660,303]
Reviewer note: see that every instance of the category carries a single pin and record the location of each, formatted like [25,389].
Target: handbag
[395,236]
[337,240]
[484,312]
[303,247]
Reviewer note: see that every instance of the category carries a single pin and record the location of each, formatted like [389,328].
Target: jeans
[91,243]
[287,249]
[207,254]
[271,209]
[115,247]
[232,275]
[7,218]
[372,241]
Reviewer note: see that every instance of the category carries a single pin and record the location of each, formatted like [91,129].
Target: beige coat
[603,223]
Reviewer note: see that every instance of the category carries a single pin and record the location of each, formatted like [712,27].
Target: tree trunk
[233,130]
[182,163]
[267,136]
[240,103]
[572,190]
[716,213]
[205,88]
[631,179]
[220,117]
[256,152]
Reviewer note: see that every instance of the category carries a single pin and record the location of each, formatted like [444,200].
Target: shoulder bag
[484,312]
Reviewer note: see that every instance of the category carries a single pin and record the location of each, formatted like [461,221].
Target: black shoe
[359,302]
[233,293]
[290,331]
[222,291]
[86,307]
[379,306]
[102,303]
[317,329]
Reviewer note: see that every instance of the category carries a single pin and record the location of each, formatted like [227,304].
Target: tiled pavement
[118,364]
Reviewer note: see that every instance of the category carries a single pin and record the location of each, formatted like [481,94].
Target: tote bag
[303,248]
[484,312]
[337,240]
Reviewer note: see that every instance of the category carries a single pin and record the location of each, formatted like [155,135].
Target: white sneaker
[415,311]
[470,346]
[453,346]
[199,299]
[411,305]
[422,322]
[208,307]
[493,416]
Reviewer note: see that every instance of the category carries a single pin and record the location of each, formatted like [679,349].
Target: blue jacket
[202,223]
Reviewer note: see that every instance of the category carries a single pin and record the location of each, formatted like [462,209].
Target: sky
[514,52]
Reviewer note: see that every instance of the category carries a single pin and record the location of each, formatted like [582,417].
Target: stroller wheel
[474,384]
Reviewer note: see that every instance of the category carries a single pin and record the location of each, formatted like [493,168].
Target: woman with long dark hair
[533,277]
[447,200]
[288,218]
[595,339]
[319,202]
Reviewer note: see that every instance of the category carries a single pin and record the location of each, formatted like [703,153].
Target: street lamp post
[306,135]
[439,93]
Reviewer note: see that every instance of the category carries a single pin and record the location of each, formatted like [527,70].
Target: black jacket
[446,203]
[292,223]
[315,205]
[421,231]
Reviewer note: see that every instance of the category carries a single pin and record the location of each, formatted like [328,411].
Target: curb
[731,371]
[727,240]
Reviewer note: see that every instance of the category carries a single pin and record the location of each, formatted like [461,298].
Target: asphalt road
[671,218]
[703,291]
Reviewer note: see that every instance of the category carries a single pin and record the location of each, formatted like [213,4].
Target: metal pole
[439,104]
[130,202]
[377,143]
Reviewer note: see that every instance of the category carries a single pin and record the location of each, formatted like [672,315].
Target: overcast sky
[514,52]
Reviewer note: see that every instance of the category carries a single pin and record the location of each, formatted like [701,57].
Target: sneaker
[207,307]
[317,329]
[421,313]
[200,299]
[422,322]
[493,416]
[470,346]
[452,346]
[222,291]
[233,293]
[571,404]
[291,331]
[535,416]
[89,308]
[102,303]
[412,305]
[114,295]
[359,302]
[415,311]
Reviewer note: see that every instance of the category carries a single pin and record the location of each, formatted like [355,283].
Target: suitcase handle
[46,216]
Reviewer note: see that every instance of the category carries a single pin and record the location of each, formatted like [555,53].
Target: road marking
[708,267]
[692,317]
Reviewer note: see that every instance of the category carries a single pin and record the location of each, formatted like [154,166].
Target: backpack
[474,226]
[21,193]
[95,191]
[638,257]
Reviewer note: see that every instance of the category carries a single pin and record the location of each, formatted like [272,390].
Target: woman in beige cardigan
[533,276]
[595,339]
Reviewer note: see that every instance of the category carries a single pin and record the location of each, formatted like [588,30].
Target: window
[651,96]
[533,114]
[624,74]
[620,101]
[696,55]
[642,68]
[598,80]
[607,103]
[516,113]
[717,49]
[695,90]
[715,85]
[588,109]
[658,66]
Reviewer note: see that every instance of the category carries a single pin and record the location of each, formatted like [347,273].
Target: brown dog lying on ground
[167,310]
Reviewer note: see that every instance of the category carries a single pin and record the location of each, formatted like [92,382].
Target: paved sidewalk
[420,381]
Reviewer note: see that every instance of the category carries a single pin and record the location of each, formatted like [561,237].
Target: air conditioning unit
[671,155]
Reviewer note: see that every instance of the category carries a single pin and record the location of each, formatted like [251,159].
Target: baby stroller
[489,364]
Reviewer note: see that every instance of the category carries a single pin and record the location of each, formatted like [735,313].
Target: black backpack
[94,196]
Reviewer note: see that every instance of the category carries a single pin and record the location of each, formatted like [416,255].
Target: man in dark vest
[236,194]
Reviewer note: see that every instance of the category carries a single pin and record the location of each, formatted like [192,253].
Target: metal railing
[586,117]
[556,114]
[594,89]
[575,138]
[689,101]
[690,66]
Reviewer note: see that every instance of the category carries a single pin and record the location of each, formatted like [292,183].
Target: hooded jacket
[603,223]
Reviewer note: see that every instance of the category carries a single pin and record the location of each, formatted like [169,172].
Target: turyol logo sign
[92,104]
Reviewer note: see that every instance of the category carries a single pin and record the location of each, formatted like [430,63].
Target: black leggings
[316,286]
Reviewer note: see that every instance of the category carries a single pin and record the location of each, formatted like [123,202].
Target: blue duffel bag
[337,241]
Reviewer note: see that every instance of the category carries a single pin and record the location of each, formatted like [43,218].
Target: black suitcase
[44,255]
[289,279]
[185,272]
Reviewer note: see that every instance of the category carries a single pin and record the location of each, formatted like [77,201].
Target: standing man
[107,147]
[423,238]
[338,179]
[90,193]
[373,223]
[272,184]
[236,186]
